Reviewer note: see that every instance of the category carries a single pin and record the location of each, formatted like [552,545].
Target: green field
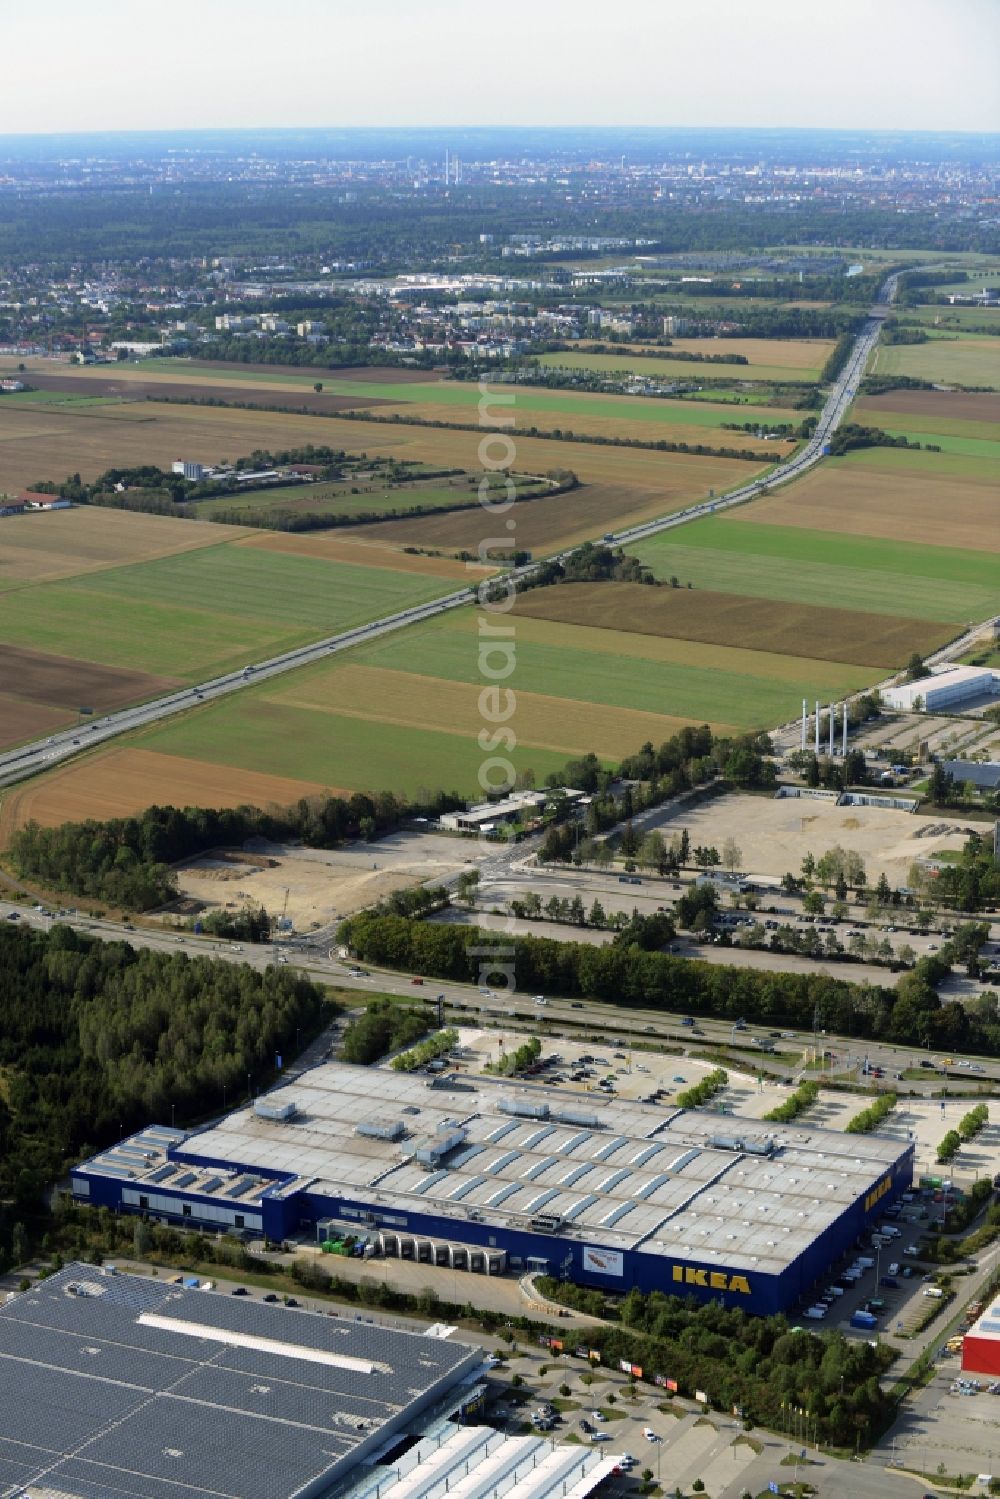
[334,749]
[676,369]
[18,398]
[948,317]
[823,567]
[972,359]
[704,683]
[984,447]
[205,612]
[354,497]
[960,458]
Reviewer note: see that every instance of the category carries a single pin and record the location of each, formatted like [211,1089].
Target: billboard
[603,1261]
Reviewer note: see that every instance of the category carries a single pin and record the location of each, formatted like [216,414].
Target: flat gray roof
[621,1174]
[115,1384]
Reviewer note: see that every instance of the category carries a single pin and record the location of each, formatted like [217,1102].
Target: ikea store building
[492,1176]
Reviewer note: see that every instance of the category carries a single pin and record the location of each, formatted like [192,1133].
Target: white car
[911,1249]
[650,1434]
[597,1416]
[539,999]
[893,1269]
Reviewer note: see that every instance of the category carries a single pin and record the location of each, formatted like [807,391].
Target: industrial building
[120,1385]
[127,1386]
[949,687]
[981,1344]
[486,1175]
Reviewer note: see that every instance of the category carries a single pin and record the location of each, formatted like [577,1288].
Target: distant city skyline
[862,64]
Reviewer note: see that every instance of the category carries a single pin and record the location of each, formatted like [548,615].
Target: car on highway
[678,1078]
[419,982]
[540,999]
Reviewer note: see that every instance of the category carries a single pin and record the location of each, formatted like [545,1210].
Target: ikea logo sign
[877,1193]
[712,1280]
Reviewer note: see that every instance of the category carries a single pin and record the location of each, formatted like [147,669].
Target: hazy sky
[121,64]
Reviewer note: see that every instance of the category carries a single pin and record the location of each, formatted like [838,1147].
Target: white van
[815,1313]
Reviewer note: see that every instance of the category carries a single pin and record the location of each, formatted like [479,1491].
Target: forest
[98,1039]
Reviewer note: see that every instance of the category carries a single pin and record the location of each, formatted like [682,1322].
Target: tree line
[758,1365]
[98,1038]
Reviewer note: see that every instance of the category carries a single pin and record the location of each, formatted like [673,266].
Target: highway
[591,1020]
[43,754]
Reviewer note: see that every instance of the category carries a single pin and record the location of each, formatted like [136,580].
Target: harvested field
[567,519]
[365,551]
[43,547]
[409,700]
[21,721]
[790,629]
[66,682]
[121,782]
[90,439]
[644,425]
[662,366]
[127,387]
[856,499]
[376,373]
[803,354]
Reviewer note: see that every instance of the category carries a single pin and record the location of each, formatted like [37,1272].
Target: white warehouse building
[949,687]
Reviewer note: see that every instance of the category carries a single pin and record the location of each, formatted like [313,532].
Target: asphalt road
[42,754]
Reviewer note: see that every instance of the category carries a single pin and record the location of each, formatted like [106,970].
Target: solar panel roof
[114,1384]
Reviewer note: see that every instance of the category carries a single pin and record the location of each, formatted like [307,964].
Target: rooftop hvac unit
[523,1108]
[432,1148]
[381,1129]
[546,1223]
[759,1147]
[277,1112]
[577,1116]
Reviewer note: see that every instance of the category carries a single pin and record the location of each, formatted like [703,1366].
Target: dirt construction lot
[774,835]
[322,885]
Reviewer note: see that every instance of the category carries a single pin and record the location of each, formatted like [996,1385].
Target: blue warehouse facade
[487,1177]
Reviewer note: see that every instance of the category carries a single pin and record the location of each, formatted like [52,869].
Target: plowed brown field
[566,519]
[121,782]
[65,682]
[21,721]
[185,388]
[858,501]
[818,634]
[959,405]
